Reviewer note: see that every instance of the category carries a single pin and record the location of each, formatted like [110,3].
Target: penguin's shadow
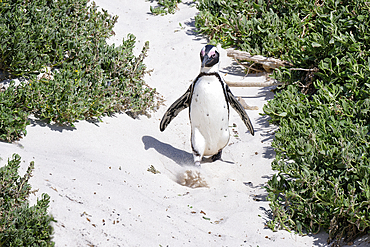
[179,156]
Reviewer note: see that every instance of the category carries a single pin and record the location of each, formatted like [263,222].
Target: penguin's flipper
[235,104]
[179,105]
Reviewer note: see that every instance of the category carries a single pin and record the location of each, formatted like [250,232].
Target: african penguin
[208,99]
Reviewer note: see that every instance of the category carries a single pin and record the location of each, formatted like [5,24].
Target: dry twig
[266,83]
[268,63]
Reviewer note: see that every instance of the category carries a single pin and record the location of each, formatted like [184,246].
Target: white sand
[96,173]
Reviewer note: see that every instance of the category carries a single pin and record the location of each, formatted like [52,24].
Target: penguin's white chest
[209,116]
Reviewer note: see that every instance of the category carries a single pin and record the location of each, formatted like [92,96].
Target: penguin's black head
[209,56]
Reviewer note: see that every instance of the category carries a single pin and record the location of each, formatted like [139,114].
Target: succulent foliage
[322,145]
[83,76]
[20,223]
[165,7]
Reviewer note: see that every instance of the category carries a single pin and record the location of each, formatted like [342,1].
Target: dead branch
[266,83]
[248,66]
[245,105]
[309,70]
[268,63]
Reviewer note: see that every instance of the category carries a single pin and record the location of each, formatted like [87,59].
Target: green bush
[322,155]
[165,7]
[322,145]
[20,224]
[89,77]
[13,118]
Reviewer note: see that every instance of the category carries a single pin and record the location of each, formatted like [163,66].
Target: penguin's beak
[205,61]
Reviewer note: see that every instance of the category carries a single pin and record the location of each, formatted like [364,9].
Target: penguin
[208,99]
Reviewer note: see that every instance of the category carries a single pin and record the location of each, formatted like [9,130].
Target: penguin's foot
[216,156]
[197,159]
